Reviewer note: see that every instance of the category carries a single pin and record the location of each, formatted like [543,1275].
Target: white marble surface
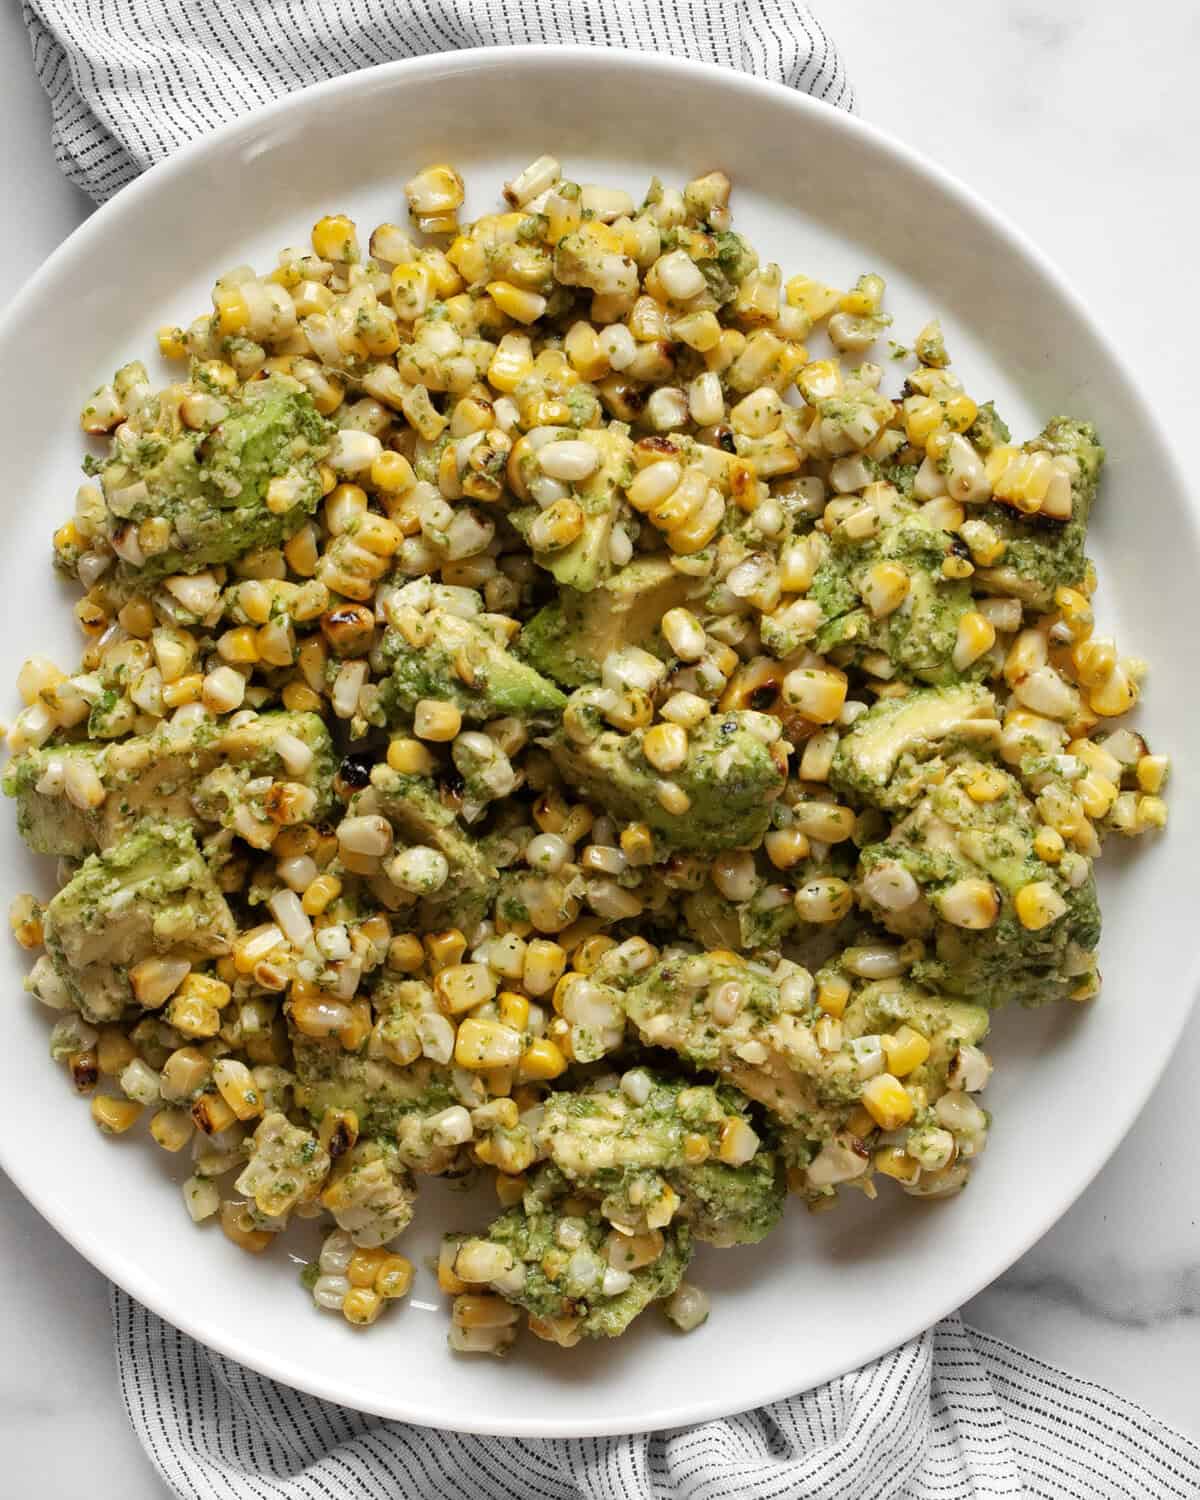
[1080,120]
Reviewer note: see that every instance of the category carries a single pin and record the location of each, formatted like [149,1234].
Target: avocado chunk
[201,770]
[1042,553]
[893,750]
[730,778]
[949,837]
[530,1232]
[392,1102]
[150,895]
[464,664]
[212,486]
[637,1156]
[569,638]
[412,806]
[587,562]
[919,637]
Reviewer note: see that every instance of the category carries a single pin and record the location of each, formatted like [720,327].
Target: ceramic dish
[819,192]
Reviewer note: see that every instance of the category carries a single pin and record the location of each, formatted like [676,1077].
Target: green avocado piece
[460,648]
[730,778]
[212,486]
[919,637]
[1043,553]
[199,771]
[887,1004]
[627,1153]
[569,638]
[893,750]
[150,895]
[586,563]
[412,806]
[530,1232]
[948,837]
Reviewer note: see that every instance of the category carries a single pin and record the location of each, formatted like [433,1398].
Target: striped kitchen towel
[953,1415]
[132,80]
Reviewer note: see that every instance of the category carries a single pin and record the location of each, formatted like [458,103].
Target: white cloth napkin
[951,1415]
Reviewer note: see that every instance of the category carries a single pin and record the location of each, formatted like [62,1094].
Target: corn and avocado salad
[562,704]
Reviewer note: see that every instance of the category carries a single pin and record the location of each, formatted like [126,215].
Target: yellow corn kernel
[394,1277]
[238,1227]
[516,302]
[481,1045]
[511,363]
[885,588]
[114,1051]
[816,694]
[976,636]
[1048,844]
[183,690]
[1151,771]
[961,411]
[1025,482]
[114,1116]
[986,785]
[542,1060]
[319,893]
[1151,812]
[513,1009]
[895,1162]
[922,417]
[335,237]
[406,954]
[543,966]
[446,948]
[1037,905]
[887,1101]
[905,1051]
[211,1114]
[362,1306]
[859,1123]
[819,380]
[171,342]
[192,1015]
[409,757]
[1116,695]
[811,297]
[461,987]
[365,1265]
[172,1128]
[833,994]
[436,720]
[483,1312]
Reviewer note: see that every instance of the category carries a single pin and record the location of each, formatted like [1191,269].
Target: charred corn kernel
[211,1114]
[895,1162]
[513,1009]
[435,720]
[976,636]
[335,237]
[114,1116]
[558,526]
[446,948]
[1038,904]
[887,1101]
[833,994]
[319,893]
[905,1051]
[1151,771]
[987,785]
[394,1277]
[885,588]
[362,1306]
[541,1061]
[1048,845]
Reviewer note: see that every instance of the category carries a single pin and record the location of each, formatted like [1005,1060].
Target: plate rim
[111,1261]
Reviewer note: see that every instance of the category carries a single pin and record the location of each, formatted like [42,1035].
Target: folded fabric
[953,1415]
[130,81]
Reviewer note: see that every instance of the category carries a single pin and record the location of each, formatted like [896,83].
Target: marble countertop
[1079,119]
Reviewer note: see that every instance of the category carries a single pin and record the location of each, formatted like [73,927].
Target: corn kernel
[905,1051]
[887,1101]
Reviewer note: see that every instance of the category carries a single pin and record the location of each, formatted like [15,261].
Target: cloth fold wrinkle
[950,1415]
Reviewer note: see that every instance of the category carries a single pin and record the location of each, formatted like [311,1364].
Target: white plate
[818,192]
